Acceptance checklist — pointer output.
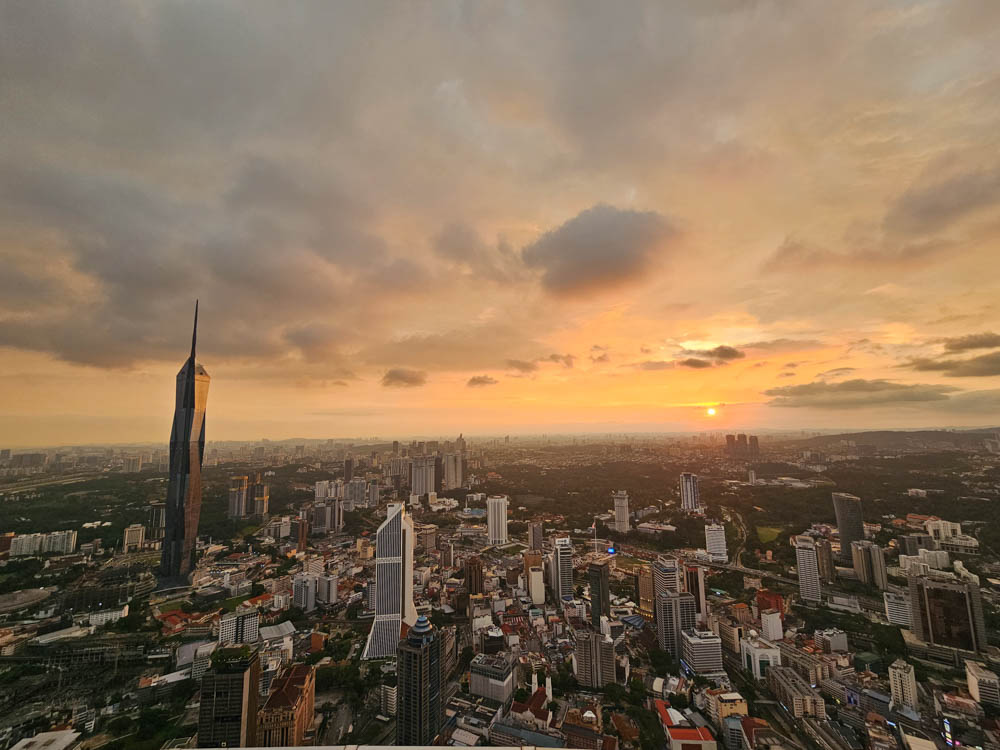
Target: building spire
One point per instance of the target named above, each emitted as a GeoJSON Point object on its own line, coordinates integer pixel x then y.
{"type": "Point", "coordinates": [194, 334]}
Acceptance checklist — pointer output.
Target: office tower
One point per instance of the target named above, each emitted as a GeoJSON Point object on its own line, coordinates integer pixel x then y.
{"type": "Point", "coordinates": [675, 613]}
{"type": "Point", "coordinates": [742, 446]}
{"type": "Point", "coordinates": [348, 469]}
{"type": "Point", "coordinates": [701, 651]}
{"type": "Point", "coordinates": [337, 516]}
{"type": "Point", "coordinates": [238, 496]}
{"type": "Point", "coordinates": [645, 592]}
{"type": "Point", "coordinates": [752, 477]}
{"type": "Point", "coordinates": [869, 564]}
{"type": "Point", "coordinates": [228, 713]}
{"type": "Point", "coordinates": [824, 559]}
{"type": "Point", "coordinates": [452, 471]}
{"type": "Point", "coordinates": [594, 659]}
{"type": "Point", "coordinates": [947, 612]}
{"type": "Point", "coordinates": [983, 684]}
{"type": "Point", "coordinates": [536, 585]}
{"type": "Point", "coordinates": [600, 591]}
{"type": "Point", "coordinates": [808, 569]}
{"type": "Point", "coordinates": [237, 628]}
{"type": "Point", "coordinates": [492, 676]}
{"type": "Point", "coordinates": [422, 480]}
{"type": "Point", "coordinates": [694, 584]}
{"type": "Point", "coordinates": [326, 589]}
{"type": "Point", "coordinates": [187, 449]}
{"type": "Point", "coordinates": [771, 626]}
{"type": "Point", "coordinates": [393, 582]}
{"type": "Point", "coordinates": [258, 497]}
{"type": "Point", "coordinates": [133, 537]}
{"type": "Point", "coordinates": [690, 496]}
{"type": "Point", "coordinates": [897, 608]}
{"type": "Point", "coordinates": [621, 511]}
{"type": "Point", "coordinates": [911, 544]}
{"type": "Point", "coordinates": [850, 524]}
{"type": "Point", "coordinates": [496, 518]}
{"type": "Point", "coordinates": [903, 685]}
{"type": "Point", "coordinates": [474, 576]}
{"type": "Point", "coordinates": [715, 542]}
{"type": "Point", "coordinates": [304, 592]}
{"type": "Point", "coordinates": [301, 535]}
{"type": "Point", "coordinates": [667, 575]}
{"type": "Point", "coordinates": [535, 531]}
{"type": "Point", "coordinates": [287, 714]}
{"type": "Point", "coordinates": [562, 569]}
{"type": "Point", "coordinates": [754, 448]}
{"type": "Point", "coordinates": [731, 446]}
{"type": "Point", "coordinates": [374, 493]}
{"type": "Point", "coordinates": [419, 708]}
{"type": "Point", "coordinates": [157, 520]}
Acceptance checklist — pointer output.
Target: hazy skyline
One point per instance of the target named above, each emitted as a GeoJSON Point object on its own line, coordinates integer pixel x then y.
{"type": "Point", "coordinates": [427, 218]}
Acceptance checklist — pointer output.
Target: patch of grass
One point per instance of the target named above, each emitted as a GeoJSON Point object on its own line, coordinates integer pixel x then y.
{"type": "Point", "coordinates": [767, 534]}
{"type": "Point", "coordinates": [230, 605]}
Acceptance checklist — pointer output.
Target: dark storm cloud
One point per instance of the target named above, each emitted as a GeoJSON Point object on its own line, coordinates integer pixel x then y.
{"type": "Point", "coordinates": [478, 381]}
{"type": "Point", "coordinates": [935, 204]}
{"type": "Point", "coordinates": [400, 377]}
{"type": "Point", "coordinates": [987, 340]}
{"type": "Point", "coordinates": [694, 362]}
{"type": "Point", "coordinates": [855, 394]}
{"type": "Point", "coordinates": [984, 365]}
{"type": "Point", "coordinates": [600, 248]}
{"type": "Point", "coordinates": [721, 353]}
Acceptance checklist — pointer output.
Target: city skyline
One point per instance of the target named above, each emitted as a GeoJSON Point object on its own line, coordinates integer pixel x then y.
{"type": "Point", "coordinates": [438, 231]}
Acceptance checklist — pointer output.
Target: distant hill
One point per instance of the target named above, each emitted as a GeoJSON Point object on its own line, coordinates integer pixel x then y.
{"type": "Point", "coordinates": [893, 439]}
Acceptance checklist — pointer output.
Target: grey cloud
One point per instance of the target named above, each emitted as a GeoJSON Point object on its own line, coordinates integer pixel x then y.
{"type": "Point", "coordinates": [522, 365]}
{"type": "Point", "coordinates": [600, 358]}
{"type": "Point", "coordinates": [790, 365]}
{"type": "Point", "coordinates": [935, 204]}
{"type": "Point", "coordinates": [855, 394]}
{"type": "Point", "coordinates": [478, 381]}
{"type": "Point", "coordinates": [656, 365]}
{"type": "Point", "coordinates": [778, 345]}
{"type": "Point", "coordinates": [837, 372]}
{"type": "Point", "coordinates": [721, 353]}
{"type": "Point", "coordinates": [987, 340]}
{"type": "Point", "coordinates": [694, 362]}
{"type": "Point", "coordinates": [794, 256]}
{"type": "Point", "coordinates": [460, 244]}
{"type": "Point", "coordinates": [984, 365]}
{"type": "Point", "coordinates": [566, 360]}
{"type": "Point", "coordinates": [786, 375]}
{"type": "Point", "coordinates": [600, 248]}
{"type": "Point", "coordinates": [400, 377]}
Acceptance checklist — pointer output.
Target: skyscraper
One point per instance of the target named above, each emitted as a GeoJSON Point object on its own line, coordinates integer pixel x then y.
{"type": "Point", "coordinates": [645, 592]}
{"type": "Point", "coordinates": [621, 511]}
{"type": "Point", "coordinates": [903, 685]}
{"type": "Point", "coordinates": [808, 569]}
{"type": "Point", "coordinates": [675, 613]}
{"type": "Point", "coordinates": [496, 518]}
{"type": "Point", "coordinates": [452, 471]}
{"type": "Point", "coordinates": [666, 575]}
{"type": "Point", "coordinates": [824, 558]}
{"type": "Point", "coordinates": [562, 569]}
{"type": "Point", "coordinates": [690, 496]}
{"type": "Point", "coordinates": [594, 659]}
{"type": "Point", "coordinates": [694, 583]}
{"type": "Point", "coordinates": [869, 564]}
{"type": "Point", "coordinates": [600, 591]}
{"type": "Point", "coordinates": [187, 449]}
{"type": "Point", "coordinates": [947, 612]}
{"type": "Point", "coordinates": [419, 709]}
{"type": "Point", "coordinates": [715, 542]}
{"type": "Point", "coordinates": [393, 583]}
{"type": "Point", "coordinates": [238, 496]}
{"type": "Point", "coordinates": [423, 477]}
{"type": "Point", "coordinates": [535, 535]}
{"type": "Point", "coordinates": [850, 524]}
{"type": "Point", "coordinates": [474, 575]}
{"type": "Point", "coordinates": [228, 713]}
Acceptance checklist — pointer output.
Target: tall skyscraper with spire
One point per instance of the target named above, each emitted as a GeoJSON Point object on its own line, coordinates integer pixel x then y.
{"type": "Point", "coordinates": [187, 449]}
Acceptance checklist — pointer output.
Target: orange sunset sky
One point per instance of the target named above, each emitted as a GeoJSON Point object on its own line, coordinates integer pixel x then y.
{"type": "Point", "coordinates": [425, 218]}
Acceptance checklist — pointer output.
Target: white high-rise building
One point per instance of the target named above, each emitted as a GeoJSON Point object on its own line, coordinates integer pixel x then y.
{"type": "Point", "coordinates": [424, 471]}
{"type": "Point", "coordinates": [239, 627]}
{"type": "Point", "coordinates": [393, 583]}
{"type": "Point", "coordinates": [133, 537]}
{"type": "Point", "coordinates": [897, 608]}
{"type": "Point", "coordinates": [496, 518]}
{"type": "Point", "coordinates": [903, 685]}
{"type": "Point", "coordinates": [667, 575]}
{"type": "Point", "coordinates": [771, 626]}
{"type": "Point", "coordinates": [452, 471]}
{"type": "Point", "coordinates": [690, 497]}
{"type": "Point", "coordinates": [304, 592]}
{"type": "Point", "coordinates": [536, 585]}
{"type": "Point", "coordinates": [984, 686]}
{"type": "Point", "coordinates": [621, 511]}
{"type": "Point", "coordinates": [701, 651]}
{"type": "Point", "coordinates": [326, 589]}
{"type": "Point", "coordinates": [808, 569]}
{"type": "Point", "coordinates": [715, 542]}
{"type": "Point", "coordinates": [562, 568]}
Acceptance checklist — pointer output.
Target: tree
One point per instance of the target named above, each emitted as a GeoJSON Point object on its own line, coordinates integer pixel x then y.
{"type": "Point", "coordinates": [679, 701]}
{"type": "Point", "coordinates": [615, 693]}
{"type": "Point", "coordinates": [521, 695]}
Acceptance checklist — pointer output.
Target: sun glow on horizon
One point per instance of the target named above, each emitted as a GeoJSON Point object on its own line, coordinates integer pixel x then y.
{"type": "Point", "coordinates": [710, 411]}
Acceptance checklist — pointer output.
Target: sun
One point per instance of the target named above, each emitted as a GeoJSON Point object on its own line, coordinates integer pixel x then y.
{"type": "Point", "coordinates": [710, 411]}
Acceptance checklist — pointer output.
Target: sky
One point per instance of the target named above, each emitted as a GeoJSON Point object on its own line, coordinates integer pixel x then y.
{"type": "Point", "coordinates": [420, 218]}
